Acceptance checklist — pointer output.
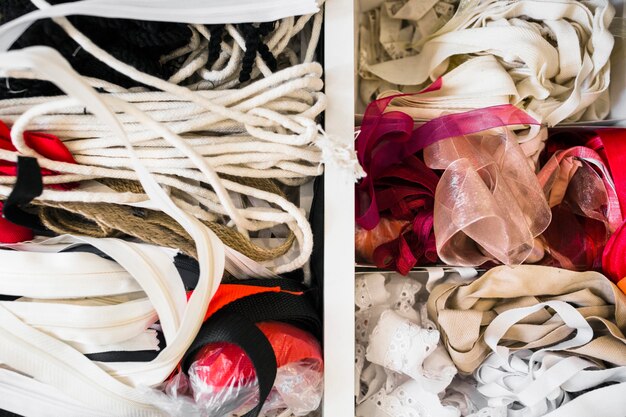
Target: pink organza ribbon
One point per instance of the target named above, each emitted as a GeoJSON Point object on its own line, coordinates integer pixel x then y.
{"type": "Point", "coordinates": [489, 205]}
{"type": "Point", "coordinates": [585, 208]}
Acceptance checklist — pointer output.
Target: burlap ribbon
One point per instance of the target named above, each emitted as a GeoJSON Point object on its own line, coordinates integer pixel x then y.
{"type": "Point", "coordinates": [113, 220]}
{"type": "Point", "coordinates": [463, 311]}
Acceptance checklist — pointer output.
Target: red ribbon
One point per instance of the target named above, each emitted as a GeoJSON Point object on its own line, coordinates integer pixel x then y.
{"type": "Point", "coordinates": [614, 256]}
{"type": "Point", "coordinates": [44, 144]}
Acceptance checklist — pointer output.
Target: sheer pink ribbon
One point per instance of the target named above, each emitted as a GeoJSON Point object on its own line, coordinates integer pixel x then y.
{"type": "Point", "coordinates": [585, 207]}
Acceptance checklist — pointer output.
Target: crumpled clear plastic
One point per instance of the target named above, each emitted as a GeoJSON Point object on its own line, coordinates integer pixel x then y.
{"type": "Point", "coordinates": [222, 380]}
{"type": "Point", "coordinates": [489, 205]}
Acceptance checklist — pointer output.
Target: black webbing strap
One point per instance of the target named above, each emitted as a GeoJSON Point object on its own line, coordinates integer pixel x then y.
{"type": "Point", "coordinates": [289, 308]}
{"type": "Point", "coordinates": [284, 307]}
{"type": "Point", "coordinates": [129, 356]}
{"type": "Point", "coordinates": [238, 330]}
{"type": "Point", "coordinates": [28, 186]}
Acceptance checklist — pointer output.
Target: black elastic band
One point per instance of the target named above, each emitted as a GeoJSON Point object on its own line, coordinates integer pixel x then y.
{"type": "Point", "coordinates": [238, 330]}
{"type": "Point", "coordinates": [28, 186]}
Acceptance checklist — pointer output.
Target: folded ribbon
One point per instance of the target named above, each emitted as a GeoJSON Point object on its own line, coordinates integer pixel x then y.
{"type": "Point", "coordinates": [584, 203]}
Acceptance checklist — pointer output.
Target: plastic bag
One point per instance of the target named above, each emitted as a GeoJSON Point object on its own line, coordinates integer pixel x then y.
{"type": "Point", "coordinates": [222, 381]}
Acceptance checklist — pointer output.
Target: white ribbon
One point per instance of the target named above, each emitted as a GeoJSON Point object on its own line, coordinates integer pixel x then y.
{"type": "Point", "coordinates": [565, 82]}
{"type": "Point", "coordinates": [541, 382]}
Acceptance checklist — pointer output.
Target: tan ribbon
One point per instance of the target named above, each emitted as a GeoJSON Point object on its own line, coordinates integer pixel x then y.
{"type": "Point", "coordinates": [463, 311]}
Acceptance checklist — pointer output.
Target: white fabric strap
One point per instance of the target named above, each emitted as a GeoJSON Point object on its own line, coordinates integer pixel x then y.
{"type": "Point", "coordinates": [189, 11]}
{"type": "Point", "coordinates": [541, 381]}
{"type": "Point", "coordinates": [476, 83]}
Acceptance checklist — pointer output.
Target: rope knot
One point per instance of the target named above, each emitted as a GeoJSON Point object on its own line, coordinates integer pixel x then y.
{"type": "Point", "coordinates": [341, 154]}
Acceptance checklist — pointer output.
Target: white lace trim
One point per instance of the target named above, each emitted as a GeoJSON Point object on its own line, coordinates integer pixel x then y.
{"type": "Point", "coordinates": [399, 368]}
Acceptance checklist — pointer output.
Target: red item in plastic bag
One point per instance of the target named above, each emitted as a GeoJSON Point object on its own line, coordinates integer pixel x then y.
{"type": "Point", "coordinates": [216, 361]}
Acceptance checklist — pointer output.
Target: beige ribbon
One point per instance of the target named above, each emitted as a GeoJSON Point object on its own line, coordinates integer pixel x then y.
{"type": "Point", "coordinates": [463, 311]}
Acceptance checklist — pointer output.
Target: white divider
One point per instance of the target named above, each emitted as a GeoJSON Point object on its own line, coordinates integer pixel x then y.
{"type": "Point", "coordinates": [339, 214]}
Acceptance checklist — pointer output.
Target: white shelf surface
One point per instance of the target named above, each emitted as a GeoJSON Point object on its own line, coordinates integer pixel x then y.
{"type": "Point", "coordinates": [339, 214]}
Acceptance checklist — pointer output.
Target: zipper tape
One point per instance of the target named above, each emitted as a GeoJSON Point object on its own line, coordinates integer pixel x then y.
{"type": "Point", "coordinates": [147, 340]}
{"type": "Point", "coordinates": [22, 275]}
{"type": "Point", "coordinates": [96, 325]}
{"type": "Point", "coordinates": [26, 397]}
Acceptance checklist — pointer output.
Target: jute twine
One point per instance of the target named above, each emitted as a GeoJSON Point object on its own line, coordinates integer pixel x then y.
{"type": "Point", "coordinates": [113, 220]}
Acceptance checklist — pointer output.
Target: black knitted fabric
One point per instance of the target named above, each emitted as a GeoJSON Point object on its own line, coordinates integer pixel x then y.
{"type": "Point", "coordinates": [253, 36]}
{"type": "Point", "coordinates": [215, 43]}
{"type": "Point", "coordinates": [137, 43]}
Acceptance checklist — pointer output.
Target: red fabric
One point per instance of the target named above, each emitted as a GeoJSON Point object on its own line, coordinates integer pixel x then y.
{"type": "Point", "coordinates": [589, 211]}
{"type": "Point", "coordinates": [614, 255]}
{"type": "Point", "coordinates": [13, 233]}
{"type": "Point", "coordinates": [614, 142]}
{"type": "Point", "coordinates": [366, 241]}
{"type": "Point", "coordinates": [46, 145]}
{"type": "Point", "coordinates": [227, 365]}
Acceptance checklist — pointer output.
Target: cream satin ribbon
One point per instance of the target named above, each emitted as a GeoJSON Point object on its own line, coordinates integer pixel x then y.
{"type": "Point", "coordinates": [478, 82]}
{"type": "Point", "coordinates": [565, 82]}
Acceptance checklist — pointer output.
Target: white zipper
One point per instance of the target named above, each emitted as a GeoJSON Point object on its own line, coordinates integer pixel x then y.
{"type": "Point", "coordinates": [187, 11]}
{"type": "Point", "coordinates": [52, 362]}
{"type": "Point", "coordinates": [146, 340]}
{"type": "Point", "coordinates": [25, 396]}
{"type": "Point", "coordinates": [96, 325]}
{"type": "Point", "coordinates": [51, 275]}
